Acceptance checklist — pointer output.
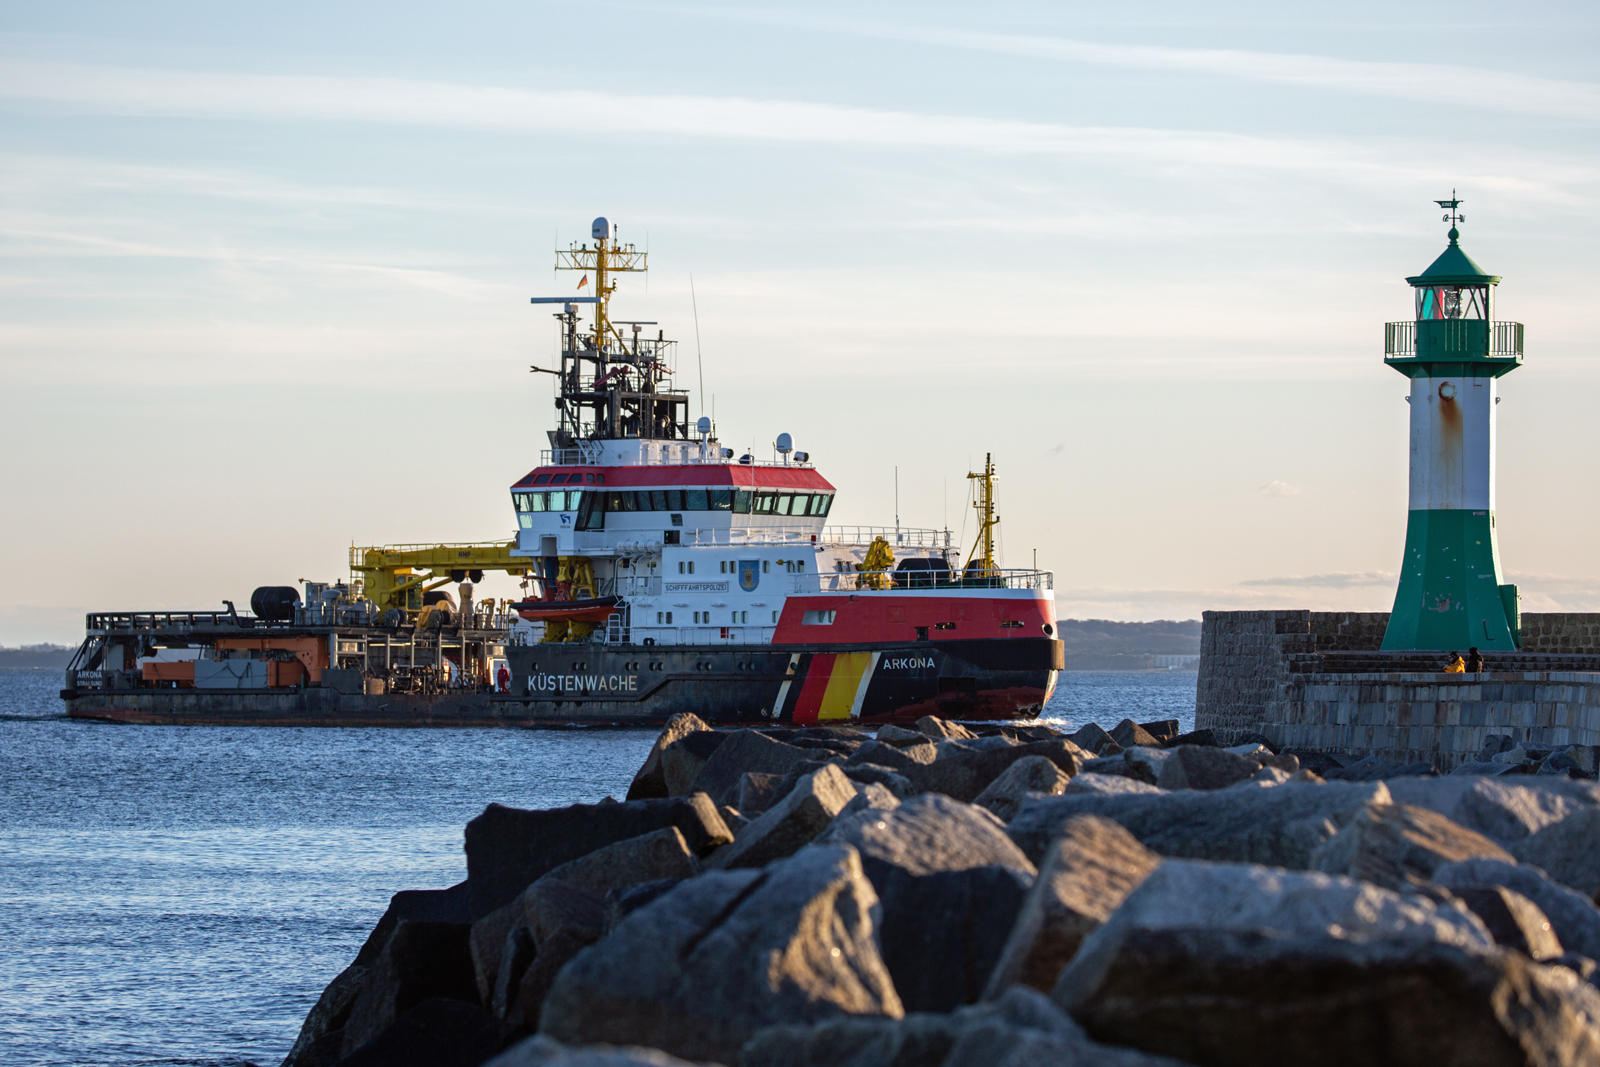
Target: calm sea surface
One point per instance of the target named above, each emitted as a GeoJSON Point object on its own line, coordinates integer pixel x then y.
{"type": "Point", "coordinates": [180, 895]}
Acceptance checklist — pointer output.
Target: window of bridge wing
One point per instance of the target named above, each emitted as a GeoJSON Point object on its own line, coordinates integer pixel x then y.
{"type": "Point", "coordinates": [591, 509]}
{"type": "Point", "coordinates": [820, 503]}
{"type": "Point", "coordinates": [765, 503]}
{"type": "Point", "coordinates": [695, 500]}
{"type": "Point", "coordinates": [743, 499]}
{"type": "Point", "coordinates": [721, 499]}
{"type": "Point", "coordinates": [1452, 302]}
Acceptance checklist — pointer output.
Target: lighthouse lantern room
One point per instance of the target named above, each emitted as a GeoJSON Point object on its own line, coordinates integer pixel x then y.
{"type": "Point", "coordinates": [1451, 595]}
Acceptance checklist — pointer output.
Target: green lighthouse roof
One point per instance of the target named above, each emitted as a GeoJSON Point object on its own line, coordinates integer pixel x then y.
{"type": "Point", "coordinates": [1454, 267]}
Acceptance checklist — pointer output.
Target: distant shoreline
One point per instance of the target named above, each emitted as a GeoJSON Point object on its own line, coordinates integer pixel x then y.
{"type": "Point", "coordinates": [44, 657]}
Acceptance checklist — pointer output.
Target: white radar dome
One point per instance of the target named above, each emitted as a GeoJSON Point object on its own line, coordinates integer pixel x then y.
{"type": "Point", "coordinates": [602, 229]}
{"type": "Point", "coordinates": [785, 443]}
{"type": "Point", "coordinates": [703, 426]}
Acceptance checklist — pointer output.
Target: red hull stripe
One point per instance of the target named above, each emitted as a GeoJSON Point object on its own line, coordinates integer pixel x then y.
{"type": "Point", "coordinates": [696, 475]}
{"type": "Point", "coordinates": [809, 703]}
{"type": "Point", "coordinates": [883, 617]}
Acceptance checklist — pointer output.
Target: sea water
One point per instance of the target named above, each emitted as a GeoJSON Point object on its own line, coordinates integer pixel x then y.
{"type": "Point", "coordinates": [180, 895]}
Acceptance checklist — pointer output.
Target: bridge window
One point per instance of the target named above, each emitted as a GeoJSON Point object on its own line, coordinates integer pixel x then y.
{"type": "Point", "coordinates": [742, 500]}
{"type": "Point", "coordinates": [820, 503]}
{"type": "Point", "coordinates": [764, 503]}
{"type": "Point", "coordinates": [802, 504]}
{"type": "Point", "coordinates": [555, 479]}
{"type": "Point", "coordinates": [591, 509]}
{"type": "Point", "coordinates": [694, 500]}
{"type": "Point", "coordinates": [783, 502]}
{"type": "Point", "coordinates": [722, 500]}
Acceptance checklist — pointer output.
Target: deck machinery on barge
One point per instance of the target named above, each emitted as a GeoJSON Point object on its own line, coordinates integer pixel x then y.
{"type": "Point", "coordinates": [664, 573]}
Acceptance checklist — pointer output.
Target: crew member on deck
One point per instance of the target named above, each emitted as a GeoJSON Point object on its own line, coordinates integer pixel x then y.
{"type": "Point", "coordinates": [503, 678]}
{"type": "Point", "coordinates": [1455, 666]}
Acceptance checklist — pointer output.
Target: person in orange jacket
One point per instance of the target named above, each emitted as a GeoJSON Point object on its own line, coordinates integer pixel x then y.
{"type": "Point", "coordinates": [1455, 666]}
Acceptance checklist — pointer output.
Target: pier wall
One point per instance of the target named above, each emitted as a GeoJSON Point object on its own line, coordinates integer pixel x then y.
{"type": "Point", "coordinates": [1265, 672]}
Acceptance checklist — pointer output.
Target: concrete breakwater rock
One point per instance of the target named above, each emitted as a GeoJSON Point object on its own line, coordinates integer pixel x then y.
{"type": "Point", "coordinates": [946, 897]}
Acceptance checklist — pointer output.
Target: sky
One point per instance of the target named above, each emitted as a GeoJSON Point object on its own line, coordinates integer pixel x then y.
{"type": "Point", "coordinates": [264, 276]}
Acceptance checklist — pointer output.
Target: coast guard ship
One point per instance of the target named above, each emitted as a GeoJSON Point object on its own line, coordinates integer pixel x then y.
{"type": "Point", "coordinates": [671, 574]}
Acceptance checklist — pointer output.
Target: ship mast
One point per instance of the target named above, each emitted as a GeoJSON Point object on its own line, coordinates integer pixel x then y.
{"type": "Point", "coordinates": [607, 257]}
{"type": "Point", "coordinates": [611, 386]}
{"type": "Point", "coordinates": [982, 558]}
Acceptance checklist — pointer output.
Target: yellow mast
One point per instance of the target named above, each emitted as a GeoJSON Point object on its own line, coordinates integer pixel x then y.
{"type": "Point", "coordinates": [607, 257]}
{"type": "Point", "coordinates": [983, 550]}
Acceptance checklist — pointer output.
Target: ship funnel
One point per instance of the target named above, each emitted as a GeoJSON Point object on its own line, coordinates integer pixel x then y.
{"type": "Point", "coordinates": [785, 443]}
{"type": "Point", "coordinates": [602, 229]}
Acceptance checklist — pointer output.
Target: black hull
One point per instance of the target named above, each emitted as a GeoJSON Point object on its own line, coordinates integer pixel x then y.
{"type": "Point", "coordinates": [641, 685]}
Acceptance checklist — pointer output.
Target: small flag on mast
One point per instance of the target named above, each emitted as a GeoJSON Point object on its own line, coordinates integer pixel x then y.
{"type": "Point", "coordinates": [583, 281]}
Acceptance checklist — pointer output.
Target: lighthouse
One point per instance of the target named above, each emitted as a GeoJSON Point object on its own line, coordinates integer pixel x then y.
{"type": "Point", "coordinates": [1451, 595]}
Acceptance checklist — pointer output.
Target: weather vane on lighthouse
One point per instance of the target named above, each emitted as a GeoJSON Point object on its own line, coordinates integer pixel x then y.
{"type": "Point", "coordinates": [1452, 214]}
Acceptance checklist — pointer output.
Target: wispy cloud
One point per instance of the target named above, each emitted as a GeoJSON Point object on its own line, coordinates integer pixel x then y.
{"type": "Point", "coordinates": [1333, 580]}
{"type": "Point", "coordinates": [130, 91]}
{"type": "Point", "coordinates": [1131, 604]}
{"type": "Point", "coordinates": [1576, 101]}
{"type": "Point", "coordinates": [1277, 488]}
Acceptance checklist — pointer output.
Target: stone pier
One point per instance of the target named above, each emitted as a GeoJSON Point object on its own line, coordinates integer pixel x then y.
{"type": "Point", "coordinates": [1318, 680]}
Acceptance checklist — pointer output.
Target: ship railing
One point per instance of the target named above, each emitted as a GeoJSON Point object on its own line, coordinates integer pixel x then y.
{"type": "Point", "coordinates": [896, 536]}
{"type": "Point", "coordinates": [110, 621]}
{"type": "Point", "coordinates": [626, 585]}
{"type": "Point", "coordinates": [615, 631]}
{"type": "Point", "coordinates": [882, 581]}
{"type": "Point", "coordinates": [749, 535]}
{"type": "Point", "coordinates": [855, 536]}
{"type": "Point", "coordinates": [668, 453]}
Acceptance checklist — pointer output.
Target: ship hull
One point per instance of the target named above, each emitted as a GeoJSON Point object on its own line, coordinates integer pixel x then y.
{"type": "Point", "coordinates": [643, 685]}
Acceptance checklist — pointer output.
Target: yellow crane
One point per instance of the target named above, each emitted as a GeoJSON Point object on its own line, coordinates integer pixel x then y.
{"type": "Point", "coordinates": [396, 576]}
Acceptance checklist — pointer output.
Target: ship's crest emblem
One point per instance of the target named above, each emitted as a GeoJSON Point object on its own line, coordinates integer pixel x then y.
{"type": "Point", "coordinates": [749, 574]}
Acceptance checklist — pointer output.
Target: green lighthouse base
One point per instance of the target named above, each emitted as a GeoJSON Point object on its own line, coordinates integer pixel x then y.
{"type": "Point", "coordinates": [1450, 596]}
